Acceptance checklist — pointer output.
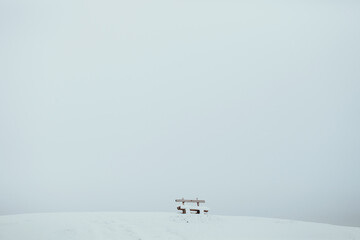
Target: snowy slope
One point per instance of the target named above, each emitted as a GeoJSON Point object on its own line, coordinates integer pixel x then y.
{"type": "Point", "coordinates": [162, 226]}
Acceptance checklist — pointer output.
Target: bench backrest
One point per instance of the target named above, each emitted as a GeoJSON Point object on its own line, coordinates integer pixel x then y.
{"type": "Point", "coordinates": [192, 201]}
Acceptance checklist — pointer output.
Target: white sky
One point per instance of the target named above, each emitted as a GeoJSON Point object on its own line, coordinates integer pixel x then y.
{"type": "Point", "coordinates": [253, 106]}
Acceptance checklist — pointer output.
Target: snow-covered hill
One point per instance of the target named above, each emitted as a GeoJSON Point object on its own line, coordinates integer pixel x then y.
{"type": "Point", "coordinates": [162, 226]}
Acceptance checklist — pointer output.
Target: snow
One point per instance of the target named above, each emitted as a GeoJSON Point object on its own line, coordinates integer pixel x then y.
{"type": "Point", "coordinates": [161, 226]}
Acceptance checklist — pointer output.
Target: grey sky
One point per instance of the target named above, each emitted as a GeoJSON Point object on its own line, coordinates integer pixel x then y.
{"type": "Point", "coordinates": [127, 105]}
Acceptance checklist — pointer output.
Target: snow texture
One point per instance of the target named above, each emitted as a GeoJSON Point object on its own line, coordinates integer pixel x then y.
{"type": "Point", "coordinates": [162, 226]}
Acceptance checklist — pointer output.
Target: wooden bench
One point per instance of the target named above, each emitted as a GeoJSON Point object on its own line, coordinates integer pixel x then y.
{"type": "Point", "coordinates": [187, 209]}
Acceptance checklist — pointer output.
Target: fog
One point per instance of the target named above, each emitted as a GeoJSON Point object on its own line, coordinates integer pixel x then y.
{"type": "Point", "coordinates": [253, 106]}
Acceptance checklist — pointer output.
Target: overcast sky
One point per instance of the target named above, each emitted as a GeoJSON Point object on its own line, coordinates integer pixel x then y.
{"type": "Point", "coordinates": [253, 106]}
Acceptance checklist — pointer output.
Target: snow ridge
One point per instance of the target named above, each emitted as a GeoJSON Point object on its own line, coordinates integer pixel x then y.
{"type": "Point", "coordinates": [163, 226]}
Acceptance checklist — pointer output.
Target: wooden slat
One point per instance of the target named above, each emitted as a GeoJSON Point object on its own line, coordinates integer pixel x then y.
{"type": "Point", "coordinates": [185, 200]}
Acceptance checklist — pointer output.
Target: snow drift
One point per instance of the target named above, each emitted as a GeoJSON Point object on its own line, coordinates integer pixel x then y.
{"type": "Point", "coordinates": [162, 226]}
